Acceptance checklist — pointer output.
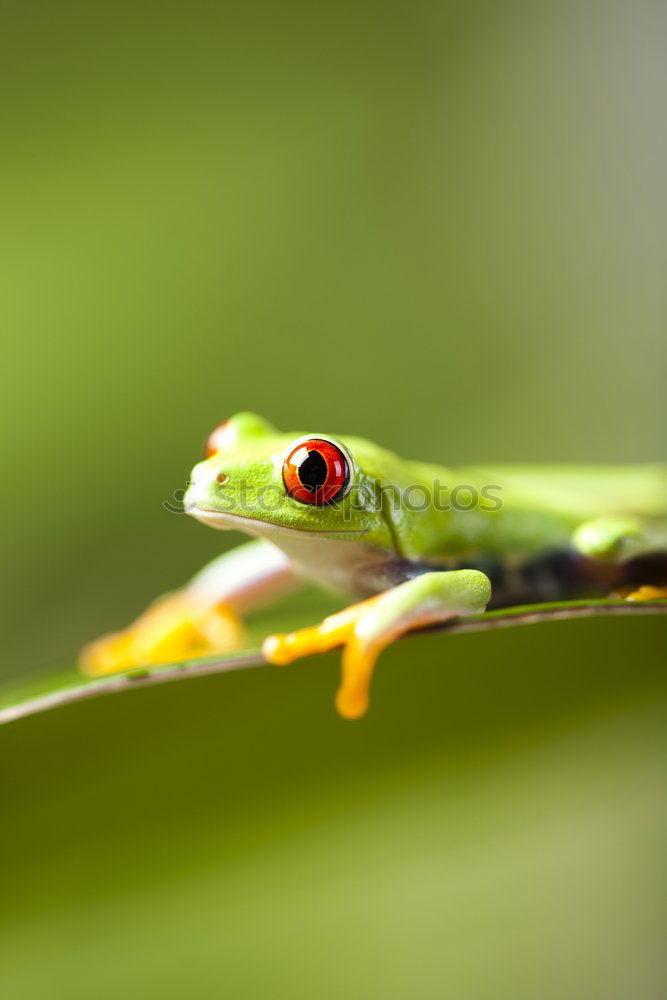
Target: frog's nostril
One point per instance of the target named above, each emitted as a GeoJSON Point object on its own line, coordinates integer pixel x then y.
{"type": "Point", "coordinates": [222, 478]}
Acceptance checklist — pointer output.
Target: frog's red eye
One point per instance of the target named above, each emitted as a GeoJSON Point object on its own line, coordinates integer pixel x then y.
{"type": "Point", "coordinates": [316, 472]}
{"type": "Point", "coordinates": [216, 439]}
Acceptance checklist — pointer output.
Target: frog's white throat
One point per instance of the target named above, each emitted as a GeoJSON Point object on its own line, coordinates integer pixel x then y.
{"type": "Point", "coordinates": [340, 559]}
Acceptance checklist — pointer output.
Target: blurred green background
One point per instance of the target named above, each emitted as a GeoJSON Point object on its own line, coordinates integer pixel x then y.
{"type": "Point", "coordinates": [442, 226]}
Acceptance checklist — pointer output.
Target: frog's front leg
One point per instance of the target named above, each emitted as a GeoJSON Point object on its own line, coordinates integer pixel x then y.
{"type": "Point", "coordinates": [365, 629]}
{"type": "Point", "coordinates": [202, 618]}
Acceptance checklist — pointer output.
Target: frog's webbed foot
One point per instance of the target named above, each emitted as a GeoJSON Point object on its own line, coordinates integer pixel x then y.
{"type": "Point", "coordinates": [176, 627]}
{"type": "Point", "coordinates": [646, 593]}
{"type": "Point", "coordinates": [365, 629]}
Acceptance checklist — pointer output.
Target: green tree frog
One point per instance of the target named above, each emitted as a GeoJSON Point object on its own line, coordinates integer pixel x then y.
{"type": "Point", "coordinates": [415, 544]}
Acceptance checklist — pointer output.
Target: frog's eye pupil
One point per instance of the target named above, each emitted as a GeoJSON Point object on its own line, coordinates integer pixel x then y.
{"type": "Point", "coordinates": [313, 471]}
{"type": "Point", "coordinates": [316, 472]}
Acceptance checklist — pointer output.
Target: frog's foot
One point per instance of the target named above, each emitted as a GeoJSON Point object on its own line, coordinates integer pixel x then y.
{"type": "Point", "coordinates": [365, 629]}
{"type": "Point", "coordinates": [647, 593]}
{"type": "Point", "coordinates": [176, 627]}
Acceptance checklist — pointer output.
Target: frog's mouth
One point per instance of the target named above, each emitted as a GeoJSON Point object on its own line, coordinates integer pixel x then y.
{"type": "Point", "coordinates": [224, 521]}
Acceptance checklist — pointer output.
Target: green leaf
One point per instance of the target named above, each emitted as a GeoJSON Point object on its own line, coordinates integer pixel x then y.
{"type": "Point", "coordinates": [61, 687]}
{"type": "Point", "coordinates": [493, 827]}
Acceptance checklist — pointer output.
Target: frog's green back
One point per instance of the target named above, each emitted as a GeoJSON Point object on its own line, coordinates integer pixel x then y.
{"type": "Point", "coordinates": [578, 491]}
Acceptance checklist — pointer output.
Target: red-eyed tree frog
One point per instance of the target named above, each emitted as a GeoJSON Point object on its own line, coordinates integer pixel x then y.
{"type": "Point", "coordinates": [415, 544]}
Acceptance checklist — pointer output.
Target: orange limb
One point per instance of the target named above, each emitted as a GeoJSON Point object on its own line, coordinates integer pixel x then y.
{"type": "Point", "coordinates": [176, 627]}
{"type": "Point", "coordinates": [647, 593]}
{"type": "Point", "coordinates": [339, 629]}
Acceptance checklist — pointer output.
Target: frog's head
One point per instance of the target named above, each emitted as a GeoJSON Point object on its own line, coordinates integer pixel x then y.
{"type": "Point", "coordinates": [257, 480]}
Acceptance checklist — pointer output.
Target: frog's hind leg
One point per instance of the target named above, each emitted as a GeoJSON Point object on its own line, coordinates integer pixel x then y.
{"type": "Point", "coordinates": [616, 540]}
{"type": "Point", "coordinates": [637, 550]}
{"type": "Point", "coordinates": [365, 629]}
